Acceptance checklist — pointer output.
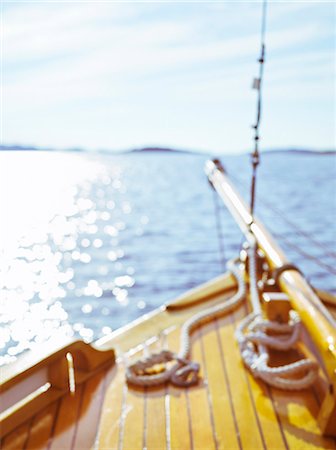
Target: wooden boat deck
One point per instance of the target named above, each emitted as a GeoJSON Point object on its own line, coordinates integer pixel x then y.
{"type": "Point", "coordinates": [228, 409]}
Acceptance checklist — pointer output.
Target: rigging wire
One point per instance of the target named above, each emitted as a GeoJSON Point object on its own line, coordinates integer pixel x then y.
{"type": "Point", "coordinates": [299, 231]}
{"type": "Point", "coordinates": [303, 253]}
{"type": "Point", "coordinates": [257, 84]}
{"type": "Point", "coordinates": [255, 158]}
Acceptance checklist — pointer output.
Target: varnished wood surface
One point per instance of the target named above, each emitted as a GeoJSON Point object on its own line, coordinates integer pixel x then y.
{"type": "Point", "coordinates": [69, 423]}
{"type": "Point", "coordinates": [228, 409]}
{"type": "Point", "coordinates": [313, 313]}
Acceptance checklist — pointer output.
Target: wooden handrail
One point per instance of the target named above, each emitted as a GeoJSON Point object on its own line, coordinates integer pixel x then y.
{"type": "Point", "coordinates": [35, 381]}
{"type": "Point", "coordinates": [314, 315]}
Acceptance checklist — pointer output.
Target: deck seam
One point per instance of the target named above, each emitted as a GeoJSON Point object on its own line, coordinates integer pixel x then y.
{"type": "Point", "coordinates": [206, 382]}
{"type": "Point", "coordinates": [145, 416]}
{"type": "Point", "coordinates": [278, 418]}
{"type": "Point", "coordinates": [167, 417]}
{"type": "Point", "coordinates": [31, 421]}
{"type": "Point", "coordinates": [223, 364]}
{"type": "Point", "coordinates": [189, 419]}
{"type": "Point", "coordinates": [256, 415]}
{"type": "Point", "coordinates": [122, 417]}
{"type": "Point", "coordinates": [96, 442]}
{"type": "Point", "coordinates": [53, 428]}
{"type": "Point", "coordinates": [74, 436]}
{"type": "Point", "coordinates": [8, 435]}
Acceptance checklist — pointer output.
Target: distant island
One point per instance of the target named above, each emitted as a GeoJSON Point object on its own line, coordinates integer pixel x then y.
{"type": "Point", "coordinates": [160, 150]}
{"type": "Point", "coordinates": [300, 151]}
{"type": "Point", "coordinates": [19, 147]}
{"type": "Point", "coordinates": [79, 149]}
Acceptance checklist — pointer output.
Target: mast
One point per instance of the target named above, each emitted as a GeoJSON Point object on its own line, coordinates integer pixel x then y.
{"type": "Point", "coordinates": [257, 84]}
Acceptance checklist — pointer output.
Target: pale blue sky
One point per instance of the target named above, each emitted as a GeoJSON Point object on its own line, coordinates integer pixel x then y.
{"type": "Point", "coordinates": [133, 74]}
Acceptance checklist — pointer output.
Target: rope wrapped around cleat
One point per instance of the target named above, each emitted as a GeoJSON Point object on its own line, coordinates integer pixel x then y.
{"type": "Point", "coordinates": [253, 342]}
{"type": "Point", "coordinates": [252, 338]}
{"type": "Point", "coordinates": [184, 372]}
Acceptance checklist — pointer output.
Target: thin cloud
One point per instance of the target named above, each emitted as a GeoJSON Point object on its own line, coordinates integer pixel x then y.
{"type": "Point", "coordinates": [108, 65]}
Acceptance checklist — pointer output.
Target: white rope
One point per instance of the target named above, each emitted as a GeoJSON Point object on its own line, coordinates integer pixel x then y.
{"type": "Point", "coordinates": [254, 342]}
{"type": "Point", "coordinates": [184, 372]}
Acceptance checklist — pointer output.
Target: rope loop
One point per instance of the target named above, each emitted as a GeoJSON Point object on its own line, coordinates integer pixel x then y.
{"type": "Point", "coordinates": [253, 341]}
{"type": "Point", "coordinates": [186, 376]}
{"type": "Point", "coordinates": [252, 338]}
{"type": "Point", "coordinates": [184, 373]}
{"type": "Point", "coordinates": [144, 373]}
{"type": "Point", "coordinates": [251, 345]}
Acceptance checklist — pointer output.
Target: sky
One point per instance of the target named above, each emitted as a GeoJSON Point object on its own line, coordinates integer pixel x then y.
{"type": "Point", "coordinates": [124, 75]}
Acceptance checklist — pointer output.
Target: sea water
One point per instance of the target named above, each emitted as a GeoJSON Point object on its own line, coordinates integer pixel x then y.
{"type": "Point", "coordinates": [89, 242]}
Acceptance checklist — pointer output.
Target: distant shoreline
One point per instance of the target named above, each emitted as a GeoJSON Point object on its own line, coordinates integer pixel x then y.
{"type": "Point", "coordinates": [300, 151]}
{"type": "Point", "coordinates": [161, 150]}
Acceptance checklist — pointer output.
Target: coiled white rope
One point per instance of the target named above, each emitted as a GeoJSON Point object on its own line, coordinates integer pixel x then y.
{"type": "Point", "coordinates": [184, 372]}
{"type": "Point", "coordinates": [252, 340]}
{"type": "Point", "coordinates": [253, 343]}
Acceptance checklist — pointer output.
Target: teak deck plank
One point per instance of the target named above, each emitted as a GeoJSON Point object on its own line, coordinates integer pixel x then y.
{"type": "Point", "coordinates": [179, 421]}
{"type": "Point", "coordinates": [113, 407]}
{"type": "Point", "coordinates": [200, 413]}
{"type": "Point", "coordinates": [272, 434]}
{"type": "Point", "coordinates": [134, 420]}
{"type": "Point", "coordinates": [156, 420]}
{"type": "Point", "coordinates": [243, 407]}
{"type": "Point", "coordinates": [228, 409]}
{"type": "Point", "coordinates": [223, 416]}
{"type": "Point", "coordinates": [297, 416]}
{"type": "Point", "coordinates": [270, 428]}
{"type": "Point", "coordinates": [155, 426]}
{"type": "Point", "coordinates": [90, 412]}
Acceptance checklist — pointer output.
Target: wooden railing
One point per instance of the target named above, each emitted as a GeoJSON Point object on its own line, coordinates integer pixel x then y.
{"type": "Point", "coordinates": [37, 380]}
{"type": "Point", "coordinates": [314, 315]}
